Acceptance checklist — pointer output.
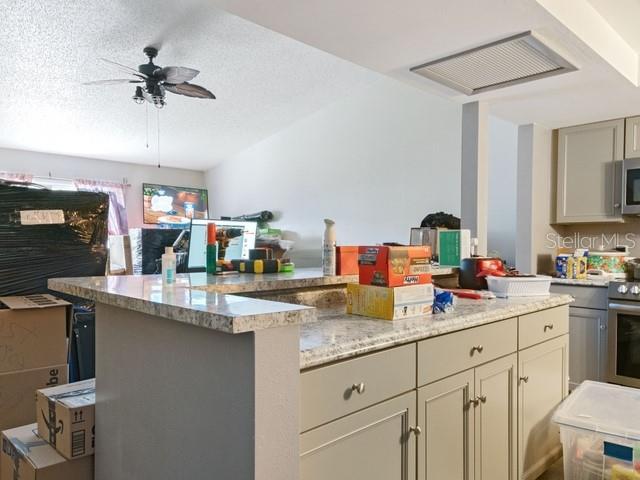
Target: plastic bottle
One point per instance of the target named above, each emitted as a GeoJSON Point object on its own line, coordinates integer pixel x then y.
{"type": "Point", "coordinates": [212, 249]}
{"type": "Point", "coordinates": [329, 248]}
{"type": "Point", "coordinates": [168, 266]}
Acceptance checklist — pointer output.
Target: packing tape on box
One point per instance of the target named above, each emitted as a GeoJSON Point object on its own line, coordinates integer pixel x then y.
{"type": "Point", "coordinates": [51, 420]}
{"type": "Point", "coordinates": [17, 450]}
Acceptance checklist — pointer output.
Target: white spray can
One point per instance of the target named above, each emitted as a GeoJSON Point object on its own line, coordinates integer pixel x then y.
{"type": "Point", "coordinates": [329, 248]}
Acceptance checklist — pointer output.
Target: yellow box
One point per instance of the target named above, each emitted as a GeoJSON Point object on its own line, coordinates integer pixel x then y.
{"type": "Point", "coordinates": [389, 303]}
{"type": "Point", "coordinates": [577, 267]}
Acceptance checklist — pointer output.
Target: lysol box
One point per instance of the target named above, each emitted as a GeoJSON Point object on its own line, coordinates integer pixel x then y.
{"type": "Point", "coordinates": [389, 303]}
{"type": "Point", "coordinates": [66, 417]}
{"type": "Point", "coordinates": [394, 266]}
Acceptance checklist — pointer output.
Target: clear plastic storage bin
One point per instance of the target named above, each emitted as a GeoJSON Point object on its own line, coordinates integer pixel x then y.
{"type": "Point", "coordinates": [600, 432]}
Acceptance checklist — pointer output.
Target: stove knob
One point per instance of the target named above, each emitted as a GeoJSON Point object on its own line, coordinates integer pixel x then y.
{"type": "Point", "coordinates": [635, 290]}
{"type": "Point", "coordinates": [623, 289]}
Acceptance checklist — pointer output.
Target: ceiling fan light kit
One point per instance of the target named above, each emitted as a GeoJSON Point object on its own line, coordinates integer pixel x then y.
{"type": "Point", "coordinates": [156, 81]}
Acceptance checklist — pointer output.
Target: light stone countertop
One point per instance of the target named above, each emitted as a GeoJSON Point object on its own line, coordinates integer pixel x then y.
{"type": "Point", "coordinates": [583, 282]}
{"type": "Point", "coordinates": [336, 335]}
{"type": "Point", "coordinates": [215, 311]}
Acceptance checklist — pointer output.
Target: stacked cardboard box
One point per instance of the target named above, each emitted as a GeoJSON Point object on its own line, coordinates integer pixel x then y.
{"type": "Point", "coordinates": [395, 282]}
{"type": "Point", "coordinates": [60, 445]}
{"type": "Point", "coordinates": [33, 353]}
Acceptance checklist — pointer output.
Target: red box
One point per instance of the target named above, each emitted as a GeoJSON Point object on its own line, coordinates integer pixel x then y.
{"type": "Point", "coordinates": [394, 266]}
{"type": "Point", "coordinates": [346, 260]}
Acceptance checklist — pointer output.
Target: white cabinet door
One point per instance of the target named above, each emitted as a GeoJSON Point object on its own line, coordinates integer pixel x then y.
{"type": "Point", "coordinates": [543, 384]}
{"type": "Point", "coordinates": [632, 137]}
{"type": "Point", "coordinates": [373, 444]}
{"type": "Point", "coordinates": [589, 172]}
{"type": "Point", "coordinates": [496, 422]}
{"type": "Point", "coordinates": [445, 447]}
{"type": "Point", "coordinates": [587, 345]}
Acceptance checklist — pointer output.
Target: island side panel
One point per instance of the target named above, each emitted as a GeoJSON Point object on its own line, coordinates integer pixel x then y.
{"type": "Point", "coordinates": [172, 400]}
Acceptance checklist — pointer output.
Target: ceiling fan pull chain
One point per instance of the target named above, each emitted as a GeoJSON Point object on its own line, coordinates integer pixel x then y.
{"type": "Point", "coordinates": [146, 107]}
{"type": "Point", "coordinates": [158, 123]}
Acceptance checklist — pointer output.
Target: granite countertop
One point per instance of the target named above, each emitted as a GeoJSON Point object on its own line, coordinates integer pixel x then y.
{"type": "Point", "coordinates": [215, 311]}
{"type": "Point", "coordinates": [583, 282]}
{"type": "Point", "coordinates": [337, 336]}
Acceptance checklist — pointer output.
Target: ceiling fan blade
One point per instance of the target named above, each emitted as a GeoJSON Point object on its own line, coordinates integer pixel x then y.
{"type": "Point", "coordinates": [176, 75]}
{"type": "Point", "coordinates": [189, 90]}
{"type": "Point", "coordinates": [114, 81]}
{"type": "Point", "coordinates": [125, 68]}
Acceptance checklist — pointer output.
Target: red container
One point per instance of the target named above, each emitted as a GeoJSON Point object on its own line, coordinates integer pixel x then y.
{"type": "Point", "coordinates": [394, 266]}
{"type": "Point", "coordinates": [346, 260]}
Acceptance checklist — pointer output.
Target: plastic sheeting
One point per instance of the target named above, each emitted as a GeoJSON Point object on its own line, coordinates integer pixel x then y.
{"type": "Point", "coordinates": [47, 234]}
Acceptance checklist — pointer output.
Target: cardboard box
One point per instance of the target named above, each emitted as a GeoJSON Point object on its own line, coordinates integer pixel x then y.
{"type": "Point", "coordinates": [18, 393]}
{"type": "Point", "coordinates": [66, 417]}
{"type": "Point", "coordinates": [453, 246]}
{"type": "Point", "coordinates": [33, 332]}
{"type": "Point", "coordinates": [25, 456]}
{"type": "Point", "coordinates": [394, 266]}
{"type": "Point", "coordinates": [346, 260]}
{"type": "Point", "coordinates": [389, 303]}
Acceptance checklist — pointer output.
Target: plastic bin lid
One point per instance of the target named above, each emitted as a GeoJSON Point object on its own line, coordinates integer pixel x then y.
{"type": "Point", "coordinates": [602, 408]}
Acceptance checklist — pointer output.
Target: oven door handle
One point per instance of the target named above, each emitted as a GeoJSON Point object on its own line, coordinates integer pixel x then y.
{"type": "Point", "coordinates": [625, 308]}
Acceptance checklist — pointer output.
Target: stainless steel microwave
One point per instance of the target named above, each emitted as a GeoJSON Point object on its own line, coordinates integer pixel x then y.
{"type": "Point", "coordinates": [631, 186]}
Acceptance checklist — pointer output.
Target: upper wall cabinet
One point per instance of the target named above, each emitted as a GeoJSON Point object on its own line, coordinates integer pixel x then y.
{"type": "Point", "coordinates": [632, 138]}
{"type": "Point", "coordinates": [589, 172]}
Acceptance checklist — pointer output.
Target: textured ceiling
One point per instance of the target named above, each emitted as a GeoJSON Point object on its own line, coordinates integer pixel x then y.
{"type": "Point", "coordinates": [392, 36]}
{"type": "Point", "coordinates": [264, 81]}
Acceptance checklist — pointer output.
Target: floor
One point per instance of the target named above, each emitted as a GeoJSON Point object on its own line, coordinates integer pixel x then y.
{"type": "Point", "coordinates": [554, 473]}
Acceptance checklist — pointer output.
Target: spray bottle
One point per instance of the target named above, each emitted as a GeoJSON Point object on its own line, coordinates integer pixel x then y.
{"type": "Point", "coordinates": [329, 248]}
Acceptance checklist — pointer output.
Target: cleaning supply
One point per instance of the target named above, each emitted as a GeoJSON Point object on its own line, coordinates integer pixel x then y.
{"type": "Point", "coordinates": [168, 266]}
{"type": "Point", "coordinates": [212, 249]}
{"type": "Point", "coordinates": [329, 248]}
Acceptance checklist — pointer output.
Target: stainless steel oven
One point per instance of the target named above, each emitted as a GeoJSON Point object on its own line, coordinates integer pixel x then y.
{"type": "Point", "coordinates": [631, 186]}
{"type": "Point", "coordinates": [624, 333]}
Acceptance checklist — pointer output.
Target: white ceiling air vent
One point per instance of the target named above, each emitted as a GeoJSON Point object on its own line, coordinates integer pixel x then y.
{"type": "Point", "coordinates": [516, 59]}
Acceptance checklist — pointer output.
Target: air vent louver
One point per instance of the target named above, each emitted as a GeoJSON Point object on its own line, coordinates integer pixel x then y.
{"type": "Point", "coordinates": [512, 60]}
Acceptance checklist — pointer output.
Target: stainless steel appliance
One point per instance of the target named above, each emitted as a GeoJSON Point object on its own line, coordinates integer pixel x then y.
{"type": "Point", "coordinates": [631, 186]}
{"type": "Point", "coordinates": [624, 333]}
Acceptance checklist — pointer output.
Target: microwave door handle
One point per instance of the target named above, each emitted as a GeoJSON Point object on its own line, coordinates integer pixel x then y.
{"type": "Point", "coordinates": [618, 186]}
{"type": "Point", "coordinates": [633, 309]}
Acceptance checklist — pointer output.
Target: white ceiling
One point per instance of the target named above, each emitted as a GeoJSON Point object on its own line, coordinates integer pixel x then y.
{"type": "Point", "coordinates": [623, 16]}
{"type": "Point", "coordinates": [264, 81]}
{"type": "Point", "coordinates": [392, 36]}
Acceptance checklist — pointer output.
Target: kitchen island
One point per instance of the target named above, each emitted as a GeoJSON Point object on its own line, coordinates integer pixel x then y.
{"type": "Point", "coordinates": [250, 388]}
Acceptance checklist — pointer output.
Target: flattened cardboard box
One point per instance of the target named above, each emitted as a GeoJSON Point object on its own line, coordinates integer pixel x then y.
{"type": "Point", "coordinates": [18, 393]}
{"type": "Point", "coordinates": [66, 417]}
{"type": "Point", "coordinates": [25, 456]}
{"type": "Point", "coordinates": [33, 332]}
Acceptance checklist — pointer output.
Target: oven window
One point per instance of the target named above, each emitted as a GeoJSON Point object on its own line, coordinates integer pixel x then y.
{"type": "Point", "coordinates": [628, 361]}
{"type": "Point", "coordinates": [633, 186]}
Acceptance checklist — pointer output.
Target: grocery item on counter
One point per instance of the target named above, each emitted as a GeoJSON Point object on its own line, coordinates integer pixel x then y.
{"type": "Point", "coordinates": [443, 301]}
{"type": "Point", "coordinates": [389, 303]}
{"type": "Point", "coordinates": [394, 266]}
{"type": "Point", "coordinates": [611, 263]}
{"type": "Point", "coordinates": [329, 248]}
{"type": "Point", "coordinates": [168, 267]}
{"type": "Point", "coordinates": [346, 260]}
{"type": "Point", "coordinates": [212, 248]}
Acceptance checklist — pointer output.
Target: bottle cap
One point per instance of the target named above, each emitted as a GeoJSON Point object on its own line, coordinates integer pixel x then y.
{"type": "Point", "coordinates": [211, 233]}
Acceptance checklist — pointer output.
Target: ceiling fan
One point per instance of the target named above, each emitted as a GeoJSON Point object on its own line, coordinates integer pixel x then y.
{"type": "Point", "coordinates": [157, 81]}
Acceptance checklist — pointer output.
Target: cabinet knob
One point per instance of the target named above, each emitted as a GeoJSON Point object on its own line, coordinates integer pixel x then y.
{"type": "Point", "coordinates": [477, 348]}
{"type": "Point", "coordinates": [478, 400]}
{"type": "Point", "coordinates": [549, 326]}
{"type": "Point", "coordinates": [483, 398]}
{"type": "Point", "coordinates": [525, 379]}
{"type": "Point", "coordinates": [416, 430]}
{"type": "Point", "coordinates": [358, 387]}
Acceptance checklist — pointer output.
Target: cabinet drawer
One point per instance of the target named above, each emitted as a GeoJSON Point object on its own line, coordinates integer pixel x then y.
{"type": "Point", "coordinates": [585, 297]}
{"type": "Point", "coordinates": [537, 327]}
{"type": "Point", "coordinates": [331, 392]}
{"type": "Point", "coordinates": [442, 356]}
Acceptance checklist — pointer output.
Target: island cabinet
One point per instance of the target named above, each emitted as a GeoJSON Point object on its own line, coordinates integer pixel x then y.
{"type": "Point", "coordinates": [474, 404]}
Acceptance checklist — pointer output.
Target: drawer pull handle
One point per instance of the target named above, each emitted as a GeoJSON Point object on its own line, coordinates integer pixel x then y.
{"type": "Point", "coordinates": [477, 348]}
{"type": "Point", "coordinates": [525, 379]}
{"type": "Point", "coordinates": [548, 327]}
{"type": "Point", "coordinates": [416, 430]}
{"type": "Point", "coordinates": [358, 387]}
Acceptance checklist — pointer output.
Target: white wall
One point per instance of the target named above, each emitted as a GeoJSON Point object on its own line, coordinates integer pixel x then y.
{"type": "Point", "coordinates": [377, 162]}
{"type": "Point", "coordinates": [61, 166]}
{"type": "Point", "coordinates": [503, 161]}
